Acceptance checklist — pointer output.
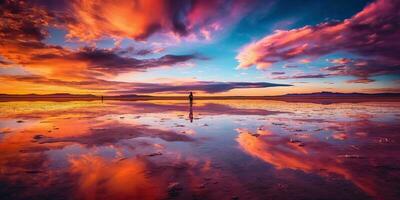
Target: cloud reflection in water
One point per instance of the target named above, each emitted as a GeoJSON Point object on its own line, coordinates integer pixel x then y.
{"type": "Point", "coordinates": [150, 150]}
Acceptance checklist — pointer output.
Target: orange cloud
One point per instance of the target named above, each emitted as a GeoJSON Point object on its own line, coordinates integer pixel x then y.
{"type": "Point", "coordinates": [93, 19]}
{"type": "Point", "coordinates": [133, 19]}
{"type": "Point", "coordinates": [23, 28]}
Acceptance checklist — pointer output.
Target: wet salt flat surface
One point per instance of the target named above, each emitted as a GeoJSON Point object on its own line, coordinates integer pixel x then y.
{"type": "Point", "coordinates": [232, 149]}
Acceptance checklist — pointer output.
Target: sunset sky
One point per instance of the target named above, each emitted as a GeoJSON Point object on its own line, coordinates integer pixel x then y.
{"type": "Point", "coordinates": [211, 47]}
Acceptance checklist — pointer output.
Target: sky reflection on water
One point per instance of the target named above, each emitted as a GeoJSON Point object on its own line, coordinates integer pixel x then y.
{"type": "Point", "coordinates": [151, 150]}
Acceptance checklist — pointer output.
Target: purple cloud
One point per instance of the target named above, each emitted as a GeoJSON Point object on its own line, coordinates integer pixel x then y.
{"type": "Point", "coordinates": [277, 73]}
{"type": "Point", "coordinates": [362, 69]}
{"type": "Point", "coordinates": [300, 76]}
{"type": "Point", "coordinates": [204, 86]}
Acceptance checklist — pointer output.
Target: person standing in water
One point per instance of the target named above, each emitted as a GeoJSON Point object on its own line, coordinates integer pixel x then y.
{"type": "Point", "coordinates": [191, 98]}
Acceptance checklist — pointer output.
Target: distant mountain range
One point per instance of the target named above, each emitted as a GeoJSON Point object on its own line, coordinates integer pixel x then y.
{"type": "Point", "coordinates": [56, 95]}
{"type": "Point", "coordinates": [341, 95]}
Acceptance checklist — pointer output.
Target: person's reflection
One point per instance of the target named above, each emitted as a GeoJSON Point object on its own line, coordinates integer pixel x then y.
{"type": "Point", "coordinates": [191, 112]}
{"type": "Point", "coordinates": [191, 107]}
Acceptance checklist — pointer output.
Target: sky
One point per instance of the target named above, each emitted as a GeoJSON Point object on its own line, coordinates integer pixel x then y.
{"type": "Point", "coordinates": [210, 47]}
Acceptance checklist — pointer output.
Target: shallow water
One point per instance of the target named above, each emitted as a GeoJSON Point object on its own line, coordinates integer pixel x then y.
{"type": "Point", "coordinates": [232, 149]}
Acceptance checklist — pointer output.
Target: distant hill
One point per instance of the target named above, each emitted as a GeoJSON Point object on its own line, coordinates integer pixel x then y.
{"type": "Point", "coordinates": [340, 95]}
{"type": "Point", "coordinates": [56, 95]}
{"type": "Point", "coordinates": [69, 97]}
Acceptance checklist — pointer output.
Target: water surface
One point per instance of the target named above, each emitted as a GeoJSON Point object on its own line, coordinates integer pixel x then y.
{"type": "Point", "coordinates": [233, 149]}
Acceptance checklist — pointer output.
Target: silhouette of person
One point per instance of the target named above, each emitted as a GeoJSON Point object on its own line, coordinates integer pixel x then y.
{"type": "Point", "coordinates": [191, 98]}
{"type": "Point", "coordinates": [102, 98]}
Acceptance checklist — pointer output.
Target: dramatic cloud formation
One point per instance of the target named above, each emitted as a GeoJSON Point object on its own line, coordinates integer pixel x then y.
{"type": "Point", "coordinates": [372, 33]}
{"type": "Point", "coordinates": [88, 20]}
{"type": "Point", "coordinates": [83, 46]}
{"type": "Point", "coordinates": [23, 28]}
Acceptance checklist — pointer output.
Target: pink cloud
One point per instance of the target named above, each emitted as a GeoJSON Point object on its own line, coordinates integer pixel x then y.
{"type": "Point", "coordinates": [374, 32]}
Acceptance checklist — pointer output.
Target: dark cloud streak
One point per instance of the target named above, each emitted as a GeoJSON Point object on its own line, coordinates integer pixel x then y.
{"type": "Point", "coordinates": [203, 86]}
{"type": "Point", "coordinates": [302, 76]}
